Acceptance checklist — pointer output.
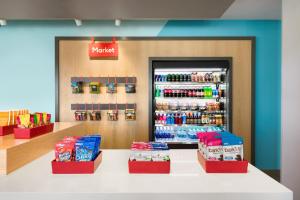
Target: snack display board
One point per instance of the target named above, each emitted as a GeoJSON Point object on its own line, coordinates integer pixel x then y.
{"type": "Point", "coordinates": [133, 61]}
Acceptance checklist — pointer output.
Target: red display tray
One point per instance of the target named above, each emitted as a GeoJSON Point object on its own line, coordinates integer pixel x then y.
{"type": "Point", "coordinates": [149, 167]}
{"type": "Point", "coordinates": [27, 133]}
{"type": "Point", "coordinates": [223, 166]}
{"type": "Point", "coordinates": [5, 130]}
{"type": "Point", "coordinates": [74, 167]}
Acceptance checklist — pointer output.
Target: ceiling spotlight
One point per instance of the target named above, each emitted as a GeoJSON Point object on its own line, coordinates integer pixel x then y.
{"type": "Point", "coordinates": [78, 22]}
{"type": "Point", "coordinates": [3, 22]}
{"type": "Point", "coordinates": [117, 22]}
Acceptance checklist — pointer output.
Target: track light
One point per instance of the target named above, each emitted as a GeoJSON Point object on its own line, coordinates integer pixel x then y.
{"type": "Point", "coordinates": [78, 22]}
{"type": "Point", "coordinates": [3, 22]}
{"type": "Point", "coordinates": [117, 22]}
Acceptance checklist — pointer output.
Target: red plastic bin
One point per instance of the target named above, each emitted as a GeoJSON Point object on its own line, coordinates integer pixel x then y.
{"type": "Point", "coordinates": [223, 166]}
{"type": "Point", "coordinates": [27, 133]}
{"type": "Point", "coordinates": [149, 167]}
{"type": "Point", "coordinates": [5, 130]}
{"type": "Point", "coordinates": [75, 167]}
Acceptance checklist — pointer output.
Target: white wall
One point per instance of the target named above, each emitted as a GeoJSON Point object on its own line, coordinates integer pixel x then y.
{"type": "Point", "coordinates": [290, 134]}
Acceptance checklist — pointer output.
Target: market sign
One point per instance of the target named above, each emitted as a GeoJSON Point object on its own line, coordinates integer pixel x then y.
{"type": "Point", "coordinates": [103, 49]}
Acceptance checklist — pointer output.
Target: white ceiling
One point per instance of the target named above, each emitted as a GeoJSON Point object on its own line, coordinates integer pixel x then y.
{"type": "Point", "coordinates": [254, 9]}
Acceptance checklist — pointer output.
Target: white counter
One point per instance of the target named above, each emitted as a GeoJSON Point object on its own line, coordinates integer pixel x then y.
{"type": "Point", "coordinates": [112, 181]}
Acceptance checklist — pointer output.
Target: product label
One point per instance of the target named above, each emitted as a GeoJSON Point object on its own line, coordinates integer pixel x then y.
{"type": "Point", "coordinates": [214, 153]}
{"type": "Point", "coordinates": [233, 153]}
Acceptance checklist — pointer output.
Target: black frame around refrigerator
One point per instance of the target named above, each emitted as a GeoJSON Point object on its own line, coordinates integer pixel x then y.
{"type": "Point", "coordinates": [189, 62]}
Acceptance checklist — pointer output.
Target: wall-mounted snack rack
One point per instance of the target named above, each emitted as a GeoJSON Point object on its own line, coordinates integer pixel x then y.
{"type": "Point", "coordinates": [104, 80]}
{"type": "Point", "coordinates": [102, 106]}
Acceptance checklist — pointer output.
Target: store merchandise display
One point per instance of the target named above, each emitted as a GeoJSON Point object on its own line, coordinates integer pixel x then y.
{"type": "Point", "coordinates": [201, 77]}
{"type": "Point", "coordinates": [77, 155]}
{"type": "Point", "coordinates": [186, 134]}
{"type": "Point", "coordinates": [153, 151]}
{"type": "Point", "coordinates": [149, 158]}
{"type": "Point", "coordinates": [219, 146]}
{"type": "Point", "coordinates": [189, 100]}
{"type": "Point", "coordinates": [8, 120]}
{"type": "Point", "coordinates": [221, 152]}
{"type": "Point", "coordinates": [33, 120]}
{"type": "Point", "coordinates": [84, 148]}
{"type": "Point", "coordinates": [32, 125]}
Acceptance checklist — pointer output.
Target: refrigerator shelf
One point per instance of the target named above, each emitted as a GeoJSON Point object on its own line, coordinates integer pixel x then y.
{"type": "Point", "coordinates": [187, 125]}
{"type": "Point", "coordinates": [190, 98]}
{"type": "Point", "coordinates": [189, 83]}
{"type": "Point", "coordinates": [182, 111]}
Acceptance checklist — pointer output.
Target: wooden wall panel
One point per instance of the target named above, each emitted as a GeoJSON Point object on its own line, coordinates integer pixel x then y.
{"type": "Point", "coordinates": [133, 61]}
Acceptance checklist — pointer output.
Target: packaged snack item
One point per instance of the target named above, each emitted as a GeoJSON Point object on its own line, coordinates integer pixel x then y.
{"type": "Point", "coordinates": [111, 87]}
{"type": "Point", "coordinates": [77, 87]}
{"type": "Point", "coordinates": [94, 87]}
{"type": "Point", "coordinates": [232, 148]}
{"type": "Point", "coordinates": [129, 87]}
{"type": "Point", "coordinates": [64, 151]}
{"type": "Point", "coordinates": [214, 149]}
{"type": "Point", "coordinates": [112, 115]}
{"type": "Point", "coordinates": [84, 150]}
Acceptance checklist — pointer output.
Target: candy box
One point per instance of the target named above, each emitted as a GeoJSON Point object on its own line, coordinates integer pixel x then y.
{"type": "Point", "coordinates": [5, 130]}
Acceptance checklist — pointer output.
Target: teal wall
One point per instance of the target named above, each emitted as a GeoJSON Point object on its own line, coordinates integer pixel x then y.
{"type": "Point", "coordinates": [27, 65]}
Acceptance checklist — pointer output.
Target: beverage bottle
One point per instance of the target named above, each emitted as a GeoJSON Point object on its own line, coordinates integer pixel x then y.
{"type": "Point", "coordinates": [168, 77]}
{"type": "Point", "coordinates": [164, 118]}
{"type": "Point", "coordinates": [220, 92]}
{"type": "Point", "coordinates": [168, 118]}
{"type": "Point", "coordinates": [172, 119]}
{"type": "Point", "coordinates": [216, 93]}
{"type": "Point", "coordinates": [198, 93]}
{"type": "Point", "coordinates": [189, 78]}
{"type": "Point", "coordinates": [222, 77]}
{"type": "Point", "coordinates": [173, 78]}
{"type": "Point", "coordinates": [176, 118]}
{"type": "Point", "coordinates": [181, 78]}
{"type": "Point", "coordinates": [184, 118]}
{"type": "Point", "coordinates": [201, 93]}
{"type": "Point", "coordinates": [177, 77]}
{"type": "Point", "coordinates": [195, 118]}
{"type": "Point", "coordinates": [194, 93]}
{"type": "Point", "coordinates": [209, 92]}
{"type": "Point", "coordinates": [179, 119]}
{"type": "Point", "coordinates": [206, 77]}
{"type": "Point", "coordinates": [199, 118]}
{"type": "Point", "coordinates": [157, 118]}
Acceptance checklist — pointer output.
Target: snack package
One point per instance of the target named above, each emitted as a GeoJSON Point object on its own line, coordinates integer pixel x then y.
{"type": "Point", "coordinates": [64, 151]}
{"type": "Point", "coordinates": [48, 118]}
{"type": "Point", "coordinates": [214, 151]}
{"type": "Point", "coordinates": [232, 148]}
{"type": "Point", "coordinates": [84, 150]}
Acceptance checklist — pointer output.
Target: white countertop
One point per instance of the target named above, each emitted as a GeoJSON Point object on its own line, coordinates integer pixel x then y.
{"type": "Point", "coordinates": [112, 181]}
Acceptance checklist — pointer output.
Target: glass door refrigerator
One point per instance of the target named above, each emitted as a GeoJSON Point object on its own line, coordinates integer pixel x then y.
{"type": "Point", "coordinates": [188, 95]}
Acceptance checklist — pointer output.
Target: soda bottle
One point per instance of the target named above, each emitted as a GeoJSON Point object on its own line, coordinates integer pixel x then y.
{"type": "Point", "coordinates": [181, 78]}
{"type": "Point", "coordinates": [172, 119]}
{"type": "Point", "coordinates": [168, 77]}
{"type": "Point", "coordinates": [189, 78]}
{"type": "Point", "coordinates": [179, 119]}
{"type": "Point", "coordinates": [176, 118]}
{"type": "Point", "coordinates": [209, 92]}
{"type": "Point", "coordinates": [177, 77]}
{"type": "Point", "coordinates": [164, 118]}
{"type": "Point", "coordinates": [184, 118]}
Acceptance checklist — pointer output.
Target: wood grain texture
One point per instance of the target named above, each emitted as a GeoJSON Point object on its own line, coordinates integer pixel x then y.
{"type": "Point", "coordinates": [15, 153]}
{"type": "Point", "coordinates": [133, 61]}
